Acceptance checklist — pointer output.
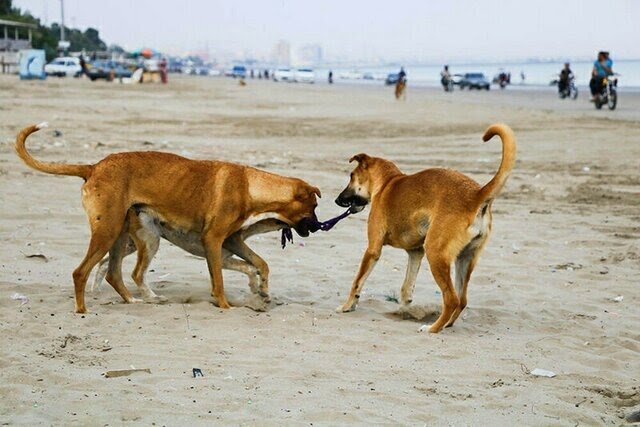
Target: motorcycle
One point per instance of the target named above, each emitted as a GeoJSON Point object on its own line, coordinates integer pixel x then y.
{"type": "Point", "coordinates": [608, 93]}
{"type": "Point", "coordinates": [569, 91]}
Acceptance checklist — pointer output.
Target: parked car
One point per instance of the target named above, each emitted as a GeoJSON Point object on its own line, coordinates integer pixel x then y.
{"type": "Point", "coordinates": [239, 71]}
{"type": "Point", "coordinates": [304, 75]}
{"type": "Point", "coordinates": [65, 66]}
{"type": "Point", "coordinates": [101, 70]}
{"type": "Point", "coordinates": [474, 81]}
{"type": "Point", "coordinates": [283, 75]}
{"type": "Point", "coordinates": [392, 78]}
{"type": "Point", "coordinates": [457, 78]}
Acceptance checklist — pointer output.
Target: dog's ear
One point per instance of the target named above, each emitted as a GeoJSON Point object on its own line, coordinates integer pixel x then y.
{"type": "Point", "coordinates": [362, 159]}
{"type": "Point", "coordinates": [304, 192]}
{"type": "Point", "coordinates": [316, 191]}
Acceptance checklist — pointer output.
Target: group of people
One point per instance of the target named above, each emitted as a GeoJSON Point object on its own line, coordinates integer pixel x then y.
{"type": "Point", "coordinates": [602, 68]}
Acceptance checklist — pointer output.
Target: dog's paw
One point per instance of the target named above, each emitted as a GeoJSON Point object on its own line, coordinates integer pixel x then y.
{"type": "Point", "coordinates": [345, 308]}
{"type": "Point", "coordinates": [434, 329]}
{"type": "Point", "coordinates": [155, 299]}
{"type": "Point", "coordinates": [223, 305]}
{"type": "Point", "coordinates": [265, 296]}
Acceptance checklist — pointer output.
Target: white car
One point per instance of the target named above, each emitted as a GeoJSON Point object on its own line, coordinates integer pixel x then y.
{"type": "Point", "coordinates": [64, 66]}
{"type": "Point", "coordinates": [283, 75]}
{"type": "Point", "coordinates": [305, 75]}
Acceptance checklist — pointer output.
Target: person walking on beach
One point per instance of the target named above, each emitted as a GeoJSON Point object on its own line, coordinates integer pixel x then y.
{"type": "Point", "coordinates": [83, 66]}
{"type": "Point", "coordinates": [602, 68]}
{"type": "Point", "coordinates": [163, 71]}
{"type": "Point", "coordinates": [401, 84]}
{"type": "Point", "coordinates": [445, 79]}
{"type": "Point", "coordinates": [330, 77]}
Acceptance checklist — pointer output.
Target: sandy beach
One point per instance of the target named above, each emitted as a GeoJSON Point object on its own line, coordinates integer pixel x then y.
{"type": "Point", "coordinates": [556, 287]}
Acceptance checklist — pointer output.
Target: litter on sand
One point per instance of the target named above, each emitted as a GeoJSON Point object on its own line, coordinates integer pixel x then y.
{"type": "Point", "coordinates": [619, 298]}
{"type": "Point", "coordinates": [39, 256]}
{"type": "Point", "coordinates": [542, 373]}
{"type": "Point", "coordinates": [197, 372]}
{"type": "Point", "coordinates": [19, 297]}
{"type": "Point", "coordinates": [124, 372]}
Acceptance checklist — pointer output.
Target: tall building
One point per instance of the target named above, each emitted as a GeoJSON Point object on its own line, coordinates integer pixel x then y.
{"type": "Point", "coordinates": [309, 55]}
{"type": "Point", "coordinates": [282, 53]}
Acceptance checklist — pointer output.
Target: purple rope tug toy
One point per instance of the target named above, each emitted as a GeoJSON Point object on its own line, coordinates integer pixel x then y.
{"type": "Point", "coordinates": [315, 225]}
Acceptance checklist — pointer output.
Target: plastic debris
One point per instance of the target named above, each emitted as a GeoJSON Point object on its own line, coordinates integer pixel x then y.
{"type": "Point", "coordinates": [542, 373]}
{"type": "Point", "coordinates": [619, 298]}
{"type": "Point", "coordinates": [586, 169]}
{"type": "Point", "coordinates": [197, 372]}
{"type": "Point", "coordinates": [19, 297]}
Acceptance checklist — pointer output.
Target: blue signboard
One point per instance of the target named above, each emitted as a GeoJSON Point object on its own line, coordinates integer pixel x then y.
{"type": "Point", "coordinates": [32, 64]}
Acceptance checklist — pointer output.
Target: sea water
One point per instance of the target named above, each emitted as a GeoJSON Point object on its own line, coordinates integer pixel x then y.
{"type": "Point", "coordinates": [535, 73]}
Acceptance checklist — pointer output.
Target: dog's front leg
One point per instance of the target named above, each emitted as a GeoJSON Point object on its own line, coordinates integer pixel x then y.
{"type": "Point", "coordinates": [236, 245]}
{"type": "Point", "coordinates": [369, 260]}
{"type": "Point", "coordinates": [213, 249]}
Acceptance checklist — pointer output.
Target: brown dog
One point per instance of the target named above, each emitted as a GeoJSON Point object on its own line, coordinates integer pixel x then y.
{"type": "Point", "coordinates": [210, 199]}
{"type": "Point", "coordinates": [439, 212]}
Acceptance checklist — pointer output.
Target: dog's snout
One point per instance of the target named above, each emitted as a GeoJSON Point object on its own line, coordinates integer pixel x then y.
{"type": "Point", "coordinates": [344, 198]}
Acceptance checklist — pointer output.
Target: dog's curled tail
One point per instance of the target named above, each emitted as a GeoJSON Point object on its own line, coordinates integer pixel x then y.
{"type": "Point", "coordinates": [83, 171]}
{"type": "Point", "coordinates": [493, 187]}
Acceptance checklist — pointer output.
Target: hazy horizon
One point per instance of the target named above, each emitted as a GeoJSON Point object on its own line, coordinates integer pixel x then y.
{"type": "Point", "coordinates": [418, 31]}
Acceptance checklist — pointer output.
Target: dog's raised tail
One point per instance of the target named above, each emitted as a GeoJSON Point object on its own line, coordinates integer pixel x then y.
{"type": "Point", "coordinates": [83, 171]}
{"type": "Point", "coordinates": [493, 187]}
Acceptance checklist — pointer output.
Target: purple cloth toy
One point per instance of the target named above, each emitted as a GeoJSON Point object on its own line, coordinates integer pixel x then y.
{"type": "Point", "coordinates": [314, 225]}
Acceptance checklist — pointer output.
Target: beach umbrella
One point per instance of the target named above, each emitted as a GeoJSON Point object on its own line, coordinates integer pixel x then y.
{"type": "Point", "coordinates": [145, 52]}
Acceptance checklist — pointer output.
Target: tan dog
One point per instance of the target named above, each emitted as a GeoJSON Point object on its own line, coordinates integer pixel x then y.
{"type": "Point", "coordinates": [210, 199]}
{"type": "Point", "coordinates": [439, 212]}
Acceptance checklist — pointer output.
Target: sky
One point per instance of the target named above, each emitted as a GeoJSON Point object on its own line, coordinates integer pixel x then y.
{"type": "Point", "coordinates": [409, 30]}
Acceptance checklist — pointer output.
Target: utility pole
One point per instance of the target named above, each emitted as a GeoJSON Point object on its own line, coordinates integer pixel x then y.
{"type": "Point", "coordinates": [63, 45]}
{"type": "Point", "coordinates": [62, 19]}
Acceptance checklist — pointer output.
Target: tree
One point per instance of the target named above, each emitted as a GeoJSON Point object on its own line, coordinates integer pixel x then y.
{"type": "Point", "coordinates": [6, 8]}
{"type": "Point", "coordinates": [47, 38]}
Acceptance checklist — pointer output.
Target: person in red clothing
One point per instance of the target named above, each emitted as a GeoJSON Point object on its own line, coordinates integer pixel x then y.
{"type": "Point", "coordinates": [163, 71]}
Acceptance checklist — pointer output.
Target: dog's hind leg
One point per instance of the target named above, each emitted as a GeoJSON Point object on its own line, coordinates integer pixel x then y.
{"type": "Point", "coordinates": [114, 273]}
{"type": "Point", "coordinates": [441, 251]}
{"type": "Point", "coordinates": [464, 265]}
{"type": "Point", "coordinates": [147, 243]}
{"type": "Point", "coordinates": [237, 246]}
{"type": "Point", "coordinates": [103, 266]}
{"type": "Point", "coordinates": [230, 263]}
{"type": "Point", "coordinates": [103, 236]}
{"type": "Point", "coordinates": [409, 284]}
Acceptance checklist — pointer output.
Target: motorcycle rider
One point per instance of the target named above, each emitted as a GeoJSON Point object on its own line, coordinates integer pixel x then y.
{"type": "Point", "coordinates": [445, 77]}
{"type": "Point", "coordinates": [566, 75]}
{"type": "Point", "coordinates": [602, 68]}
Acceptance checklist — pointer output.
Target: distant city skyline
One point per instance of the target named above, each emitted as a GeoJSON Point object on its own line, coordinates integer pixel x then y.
{"type": "Point", "coordinates": [376, 32]}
